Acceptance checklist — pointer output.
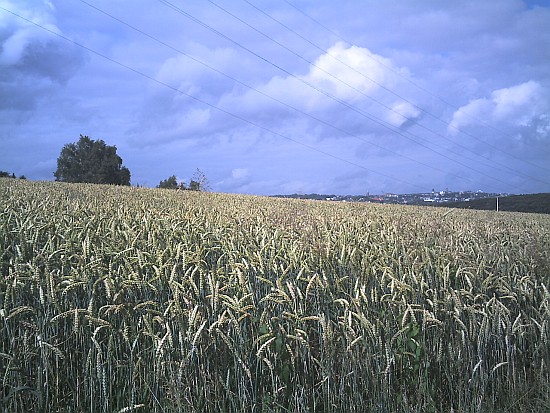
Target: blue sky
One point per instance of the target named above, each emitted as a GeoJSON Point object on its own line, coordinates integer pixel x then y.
{"type": "Point", "coordinates": [274, 97]}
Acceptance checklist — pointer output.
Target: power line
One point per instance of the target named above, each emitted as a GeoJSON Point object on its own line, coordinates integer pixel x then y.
{"type": "Point", "coordinates": [269, 96]}
{"type": "Point", "coordinates": [283, 103]}
{"type": "Point", "coordinates": [369, 116]}
{"type": "Point", "coordinates": [412, 120]}
{"type": "Point", "coordinates": [377, 120]}
{"type": "Point", "coordinates": [349, 106]}
{"type": "Point", "coordinates": [456, 108]}
{"type": "Point", "coordinates": [278, 100]}
{"type": "Point", "coordinates": [238, 117]}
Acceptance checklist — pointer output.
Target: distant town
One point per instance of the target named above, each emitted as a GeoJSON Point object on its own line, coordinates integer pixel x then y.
{"type": "Point", "coordinates": [426, 198]}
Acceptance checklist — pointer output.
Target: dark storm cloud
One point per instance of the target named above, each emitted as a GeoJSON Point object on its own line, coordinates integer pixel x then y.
{"type": "Point", "coordinates": [32, 63]}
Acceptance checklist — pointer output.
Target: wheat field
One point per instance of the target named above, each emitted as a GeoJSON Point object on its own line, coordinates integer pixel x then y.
{"type": "Point", "coordinates": [117, 299]}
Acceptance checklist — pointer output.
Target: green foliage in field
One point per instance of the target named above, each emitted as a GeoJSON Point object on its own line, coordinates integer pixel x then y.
{"type": "Point", "coordinates": [91, 161]}
{"type": "Point", "coordinates": [116, 299]}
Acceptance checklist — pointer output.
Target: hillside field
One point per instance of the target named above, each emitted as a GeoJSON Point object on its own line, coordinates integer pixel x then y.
{"type": "Point", "coordinates": [537, 203]}
{"type": "Point", "coordinates": [119, 299]}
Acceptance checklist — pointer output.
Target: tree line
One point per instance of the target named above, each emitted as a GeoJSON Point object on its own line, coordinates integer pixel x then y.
{"type": "Point", "coordinates": [93, 161]}
{"type": "Point", "coordinates": [198, 182]}
{"type": "Point", "coordinates": [4, 174]}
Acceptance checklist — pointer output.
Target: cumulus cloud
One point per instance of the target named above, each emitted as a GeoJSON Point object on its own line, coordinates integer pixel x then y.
{"type": "Point", "coordinates": [188, 73]}
{"type": "Point", "coordinates": [402, 113]}
{"type": "Point", "coordinates": [514, 100]}
{"type": "Point", "coordinates": [516, 105]}
{"type": "Point", "coordinates": [343, 74]}
{"type": "Point", "coordinates": [342, 77]}
{"type": "Point", "coordinates": [349, 72]}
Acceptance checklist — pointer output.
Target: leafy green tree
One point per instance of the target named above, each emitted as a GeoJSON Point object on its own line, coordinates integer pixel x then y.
{"type": "Point", "coordinates": [91, 161]}
{"type": "Point", "coordinates": [194, 185]}
{"type": "Point", "coordinates": [169, 183]}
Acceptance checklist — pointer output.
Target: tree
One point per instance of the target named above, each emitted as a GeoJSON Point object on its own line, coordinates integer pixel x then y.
{"type": "Point", "coordinates": [198, 182]}
{"type": "Point", "coordinates": [91, 161]}
{"type": "Point", "coordinates": [4, 174]}
{"type": "Point", "coordinates": [169, 183]}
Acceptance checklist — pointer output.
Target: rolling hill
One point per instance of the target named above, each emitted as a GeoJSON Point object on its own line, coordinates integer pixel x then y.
{"type": "Point", "coordinates": [536, 203]}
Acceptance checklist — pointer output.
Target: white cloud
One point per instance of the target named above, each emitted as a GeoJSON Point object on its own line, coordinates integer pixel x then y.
{"type": "Point", "coordinates": [353, 75]}
{"type": "Point", "coordinates": [344, 76]}
{"type": "Point", "coordinates": [515, 105]}
{"type": "Point", "coordinates": [510, 101]}
{"type": "Point", "coordinates": [348, 72]}
{"type": "Point", "coordinates": [401, 113]}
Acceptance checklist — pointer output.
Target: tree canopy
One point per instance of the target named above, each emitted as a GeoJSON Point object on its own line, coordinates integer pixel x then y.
{"type": "Point", "coordinates": [198, 182]}
{"type": "Point", "coordinates": [170, 183]}
{"type": "Point", "coordinates": [91, 161]}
